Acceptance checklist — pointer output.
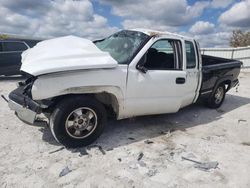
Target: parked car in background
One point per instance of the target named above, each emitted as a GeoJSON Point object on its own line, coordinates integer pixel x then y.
{"type": "Point", "coordinates": [10, 55]}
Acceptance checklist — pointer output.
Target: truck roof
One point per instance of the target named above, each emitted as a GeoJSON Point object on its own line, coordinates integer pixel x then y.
{"type": "Point", "coordinates": [151, 32]}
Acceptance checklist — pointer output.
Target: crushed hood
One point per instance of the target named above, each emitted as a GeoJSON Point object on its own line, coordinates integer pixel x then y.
{"type": "Point", "coordinates": [65, 54]}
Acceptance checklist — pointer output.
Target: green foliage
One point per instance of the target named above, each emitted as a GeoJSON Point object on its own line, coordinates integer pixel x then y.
{"type": "Point", "coordinates": [3, 36]}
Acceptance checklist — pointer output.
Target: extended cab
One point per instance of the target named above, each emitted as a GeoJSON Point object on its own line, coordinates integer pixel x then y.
{"type": "Point", "coordinates": [77, 83]}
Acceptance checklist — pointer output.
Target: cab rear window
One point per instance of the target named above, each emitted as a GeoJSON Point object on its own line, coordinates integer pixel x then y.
{"type": "Point", "coordinates": [190, 55]}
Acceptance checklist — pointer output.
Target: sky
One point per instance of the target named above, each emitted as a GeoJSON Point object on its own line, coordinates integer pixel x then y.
{"type": "Point", "coordinates": [211, 22]}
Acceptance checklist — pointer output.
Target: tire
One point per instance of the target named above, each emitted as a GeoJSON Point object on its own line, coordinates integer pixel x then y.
{"type": "Point", "coordinates": [217, 97]}
{"type": "Point", "coordinates": [72, 129]}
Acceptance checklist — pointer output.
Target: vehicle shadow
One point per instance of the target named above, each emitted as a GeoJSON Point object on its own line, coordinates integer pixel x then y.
{"type": "Point", "coordinates": [47, 135]}
{"type": "Point", "coordinates": [124, 132]}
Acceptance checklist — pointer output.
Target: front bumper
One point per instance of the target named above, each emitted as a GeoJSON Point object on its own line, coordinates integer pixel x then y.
{"type": "Point", "coordinates": [22, 113]}
{"type": "Point", "coordinates": [25, 108]}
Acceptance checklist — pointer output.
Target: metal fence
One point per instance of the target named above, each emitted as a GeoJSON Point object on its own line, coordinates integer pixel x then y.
{"type": "Point", "coordinates": [242, 54]}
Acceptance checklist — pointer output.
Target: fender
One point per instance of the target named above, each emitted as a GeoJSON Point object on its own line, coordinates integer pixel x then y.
{"type": "Point", "coordinates": [223, 79]}
{"type": "Point", "coordinates": [109, 81]}
{"type": "Point", "coordinates": [117, 102]}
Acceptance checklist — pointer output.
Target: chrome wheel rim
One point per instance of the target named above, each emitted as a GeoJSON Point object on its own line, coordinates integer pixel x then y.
{"type": "Point", "coordinates": [81, 123]}
{"type": "Point", "coordinates": [219, 95]}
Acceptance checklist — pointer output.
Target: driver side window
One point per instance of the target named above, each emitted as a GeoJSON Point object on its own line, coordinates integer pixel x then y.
{"type": "Point", "coordinates": [164, 55]}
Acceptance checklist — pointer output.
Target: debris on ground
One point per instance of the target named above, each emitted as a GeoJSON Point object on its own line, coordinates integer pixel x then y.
{"type": "Point", "coordinates": [131, 138]}
{"type": "Point", "coordinates": [83, 152]}
{"type": "Point", "coordinates": [148, 142]}
{"type": "Point", "coordinates": [61, 148]}
{"type": "Point", "coordinates": [172, 153]}
{"type": "Point", "coordinates": [203, 165]}
{"type": "Point", "coordinates": [65, 171]}
{"type": "Point", "coordinates": [241, 120]}
{"type": "Point", "coordinates": [101, 150]}
{"type": "Point", "coordinates": [6, 100]}
{"type": "Point", "coordinates": [220, 135]}
{"type": "Point", "coordinates": [152, 172]}
{"type": "Point", "coordinates": [208, 165]}
{"type": "Point", "coordinates": [140, 156]}
{"type": "Point", "coordinates": [246, 143]}
{"type": "Point", "coordinates": [207, 138]}
{"type": "Point", "coordinates": [119, 159]}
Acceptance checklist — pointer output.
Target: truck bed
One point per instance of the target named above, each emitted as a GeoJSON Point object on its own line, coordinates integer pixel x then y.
{"type": "Point", "coordinates": [211, 62]}
{"type": "Point", "coordinates": [216, 69]}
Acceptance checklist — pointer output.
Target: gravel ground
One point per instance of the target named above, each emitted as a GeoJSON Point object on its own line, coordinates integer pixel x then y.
{"type": "Point", "coordinates": [139, 152]}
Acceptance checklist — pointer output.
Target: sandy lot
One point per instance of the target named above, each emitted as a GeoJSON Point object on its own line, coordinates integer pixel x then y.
{"type": "Point", "coordinates": [31, 158]}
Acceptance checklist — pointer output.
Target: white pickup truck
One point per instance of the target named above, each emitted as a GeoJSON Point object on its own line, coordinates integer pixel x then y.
{"type": "Point", "coordinates": [77, 83]}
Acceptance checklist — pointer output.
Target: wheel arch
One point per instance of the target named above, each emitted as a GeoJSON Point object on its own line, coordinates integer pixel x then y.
{"type": "Point", "coordinates": [110, 97]}
{"type": "Point", "coordinates": [227, 81]}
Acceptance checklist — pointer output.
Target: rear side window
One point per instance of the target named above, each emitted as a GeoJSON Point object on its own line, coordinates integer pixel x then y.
{"type": "Point", "coordinates": [190, 55]}
{"type": "Point", "coordinates": [14, 46]}
{"type": "Point", "coordinates": [1, 48]}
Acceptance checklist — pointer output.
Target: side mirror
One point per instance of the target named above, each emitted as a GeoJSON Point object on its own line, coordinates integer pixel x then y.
{"type": "Point", "coordinates": [142, 68]}
{"type": "Point", "coordinates": [141, 63]}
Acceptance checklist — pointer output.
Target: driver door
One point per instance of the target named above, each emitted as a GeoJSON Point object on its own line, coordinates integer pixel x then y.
{"type": "Point", "coordinates": [162, 88]}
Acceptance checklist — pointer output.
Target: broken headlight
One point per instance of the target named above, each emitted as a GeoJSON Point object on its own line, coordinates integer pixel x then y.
{"type": "Point", "coordinates": [27, 85]}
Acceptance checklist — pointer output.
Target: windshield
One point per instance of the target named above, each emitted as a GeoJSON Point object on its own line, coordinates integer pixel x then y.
{"type": "Point", "coordinates": [122, 45]}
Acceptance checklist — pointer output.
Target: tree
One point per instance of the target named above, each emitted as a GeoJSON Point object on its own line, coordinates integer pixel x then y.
{"type": "Point", "coordinates": [3, 36]}
{"type": "Point", "coordinates": [239, 39]}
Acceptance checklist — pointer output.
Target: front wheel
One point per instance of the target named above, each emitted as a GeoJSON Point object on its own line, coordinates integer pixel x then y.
{"type": "Point", "coordinates": [78, 121]}
{"type": "Point", "coordinates": [217, 97]}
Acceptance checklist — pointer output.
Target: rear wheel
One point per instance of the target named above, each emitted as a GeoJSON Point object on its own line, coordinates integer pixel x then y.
{"type": "Point", "coordinates": [217, 97]}
{"type": "Point", "coordinates": [78, 121]}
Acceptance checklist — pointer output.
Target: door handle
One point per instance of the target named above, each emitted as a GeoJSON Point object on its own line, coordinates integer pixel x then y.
{"type": "Point", "coordinates": [180, 80]}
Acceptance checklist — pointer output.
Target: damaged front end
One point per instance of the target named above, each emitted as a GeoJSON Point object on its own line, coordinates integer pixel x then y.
{"type": "Point", "coordinates": [20, 100]}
